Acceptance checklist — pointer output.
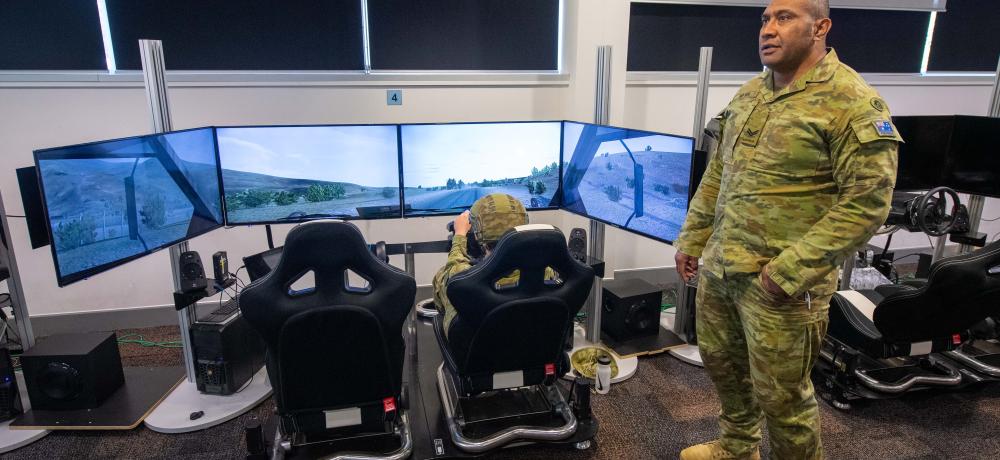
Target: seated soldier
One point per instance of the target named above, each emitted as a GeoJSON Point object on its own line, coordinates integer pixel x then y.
{"type": "Point", "coordinates": [489, 219]}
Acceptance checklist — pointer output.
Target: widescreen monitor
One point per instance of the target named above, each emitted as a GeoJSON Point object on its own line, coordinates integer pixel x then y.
{"type": "Point", "coordinates": [635, 180]}
{"type": "Point", "coordinates": [110, 202]}
{"type": "Point", "coordinates": [923, 152]}
{"type": "Point", "coordinates": [974, 156]}
{"type": "Point", "coordinates": [281, 174]}
{"type": "Point", "coordinates": [447, 167]}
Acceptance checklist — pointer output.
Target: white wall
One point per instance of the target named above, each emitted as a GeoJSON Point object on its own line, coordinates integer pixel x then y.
{"type": "Point", "coordinates": [33, 116]}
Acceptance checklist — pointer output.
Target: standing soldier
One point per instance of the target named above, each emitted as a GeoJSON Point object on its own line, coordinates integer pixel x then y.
{"type": "Point", "coordinates": [802, 176]}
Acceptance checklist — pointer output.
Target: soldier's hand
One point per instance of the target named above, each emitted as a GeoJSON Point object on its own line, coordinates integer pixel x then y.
{"type": "Point", "coordinates": [462, 224]}
{"type": "Point", "coordinates": [687, 266]}
{"type": "Point", "coordinates": [769, 285]}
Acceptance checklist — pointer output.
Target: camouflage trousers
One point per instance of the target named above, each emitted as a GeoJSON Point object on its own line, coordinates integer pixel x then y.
{"type": "Point", "coordinates": [759, 350]}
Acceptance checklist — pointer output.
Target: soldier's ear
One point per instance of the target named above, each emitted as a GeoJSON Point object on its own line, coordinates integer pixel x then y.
{"type": "Point", "coordinates": [821, 28]}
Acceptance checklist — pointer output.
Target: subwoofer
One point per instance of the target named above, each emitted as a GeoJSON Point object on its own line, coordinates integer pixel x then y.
{"type": "Point", "coordinates": [631, 309]}
{"type": "Point", "coordinates": [72, 371]}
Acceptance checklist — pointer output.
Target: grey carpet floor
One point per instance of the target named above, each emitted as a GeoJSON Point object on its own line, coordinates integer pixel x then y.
{"type": "Point", "coordinates": [667, 406]}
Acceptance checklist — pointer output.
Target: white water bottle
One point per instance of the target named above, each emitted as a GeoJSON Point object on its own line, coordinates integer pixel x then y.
{"type": "Point", "coordinates": [603, 384]}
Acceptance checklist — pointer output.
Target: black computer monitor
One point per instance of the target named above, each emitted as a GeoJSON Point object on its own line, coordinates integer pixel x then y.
{"type": "Point", "coordinates": [974, 156]}
{"type": "Point", "coordinates": [699, 164]}
{"type": "Point", "coordinates": [110, 202]}
{"type": "Point", "coordinates": [923, 152]}
{"type": "Point", "coordinates": [447, 167]}
{"type": "Point", "coordinates": [282, 174]}
{"type": "Point", "coordinates": [31, 198]}
{"type": "Point", "coordinates": [634, 180]}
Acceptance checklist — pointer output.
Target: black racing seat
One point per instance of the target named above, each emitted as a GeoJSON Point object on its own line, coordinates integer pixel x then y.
{"type": "Point", "coordinates": [906, 320]}
{"type": "Point", "coordinates": [509, 339]}
{"type": "Point", "coordinates": [334, 352]}
{"type": "Point", "coordinates": [513, 336]}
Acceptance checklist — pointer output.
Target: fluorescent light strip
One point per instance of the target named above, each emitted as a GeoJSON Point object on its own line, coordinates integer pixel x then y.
{"type": "Point", "coordinates": [366, 36]}
{"type": "Point", "coordinates": [559, 45]}
{"type": "Point", "coordinates": [109, 50]}
{"type": "Point", "coordinates": [927, 43]}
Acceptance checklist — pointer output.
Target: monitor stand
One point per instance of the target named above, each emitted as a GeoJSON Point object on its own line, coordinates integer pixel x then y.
{"type": "Point", "coordinates": [687, 353]}
{"type": "Point", "coordinates": [175, 413]}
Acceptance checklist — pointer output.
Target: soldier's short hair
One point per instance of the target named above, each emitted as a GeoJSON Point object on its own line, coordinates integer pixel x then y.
{"type": "Point", "coordinates": [820, 9]}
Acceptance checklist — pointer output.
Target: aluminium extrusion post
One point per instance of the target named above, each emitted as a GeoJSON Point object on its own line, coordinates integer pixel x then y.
{"type": "Point", "coordinates": [17, 304]}
{"type": "Point", "coordinates": [185, 409]}
{"type": "Point", "coordinates": [595, 243]}
{"type": "Point", "coordinates": [690, 353]}
{"type": "Point", "coordinates": [155, 82]}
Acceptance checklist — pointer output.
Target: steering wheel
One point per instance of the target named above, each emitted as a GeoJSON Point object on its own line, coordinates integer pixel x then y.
{"type": "Point", "coordinates": [930, 213]}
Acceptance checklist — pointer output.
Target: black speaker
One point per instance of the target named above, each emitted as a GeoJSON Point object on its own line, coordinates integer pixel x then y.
{"type": "Point", "coordinates": [578, 244]}
{"type": "Point", "coordinates": [10, 398]}
{"type": "Point", "coordinates": [72, 371]}
{"type": "Point", "coordinates": [192, 275]}
{"type": "Point", "coordinates": [220, 266]}
{"type": "Point", "coordinates": [631, 309]}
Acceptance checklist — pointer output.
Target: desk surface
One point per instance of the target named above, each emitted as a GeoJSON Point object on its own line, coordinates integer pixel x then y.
{"type": "Point", "coordinates": [143, 390]}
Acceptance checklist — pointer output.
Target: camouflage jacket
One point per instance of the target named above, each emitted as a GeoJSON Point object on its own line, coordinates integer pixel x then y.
{"type": "Point", "coordinates": [801, 177]}
{"type": "Point", "coordinates": [458, 262]}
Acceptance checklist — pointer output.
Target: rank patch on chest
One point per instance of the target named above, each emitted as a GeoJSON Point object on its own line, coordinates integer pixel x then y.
{"type": "Point", "coordinates": [884, 128]}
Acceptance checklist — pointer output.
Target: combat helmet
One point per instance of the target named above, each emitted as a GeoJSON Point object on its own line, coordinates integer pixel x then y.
{"type": "Point", "coordinates": [493, 215]}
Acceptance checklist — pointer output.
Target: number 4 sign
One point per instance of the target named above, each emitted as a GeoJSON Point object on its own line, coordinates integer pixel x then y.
{"type": "Point", "coordinates": [394, 97]}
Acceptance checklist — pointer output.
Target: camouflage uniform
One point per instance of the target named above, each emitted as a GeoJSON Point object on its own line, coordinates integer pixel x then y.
{"type": "Point", "coordinates": [491, 216]}
{"type": "Point", "coordinates": [801, 178]}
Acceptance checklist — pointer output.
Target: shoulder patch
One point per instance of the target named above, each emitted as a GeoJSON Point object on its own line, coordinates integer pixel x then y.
{"type": "Point", "coordinates": [878, 104]}
{"type": "Point", "coordinates": [883, 127]}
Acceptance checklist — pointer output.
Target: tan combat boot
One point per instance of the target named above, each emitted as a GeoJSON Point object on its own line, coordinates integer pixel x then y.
{"type": "Point", "coordinates": [714, 451]}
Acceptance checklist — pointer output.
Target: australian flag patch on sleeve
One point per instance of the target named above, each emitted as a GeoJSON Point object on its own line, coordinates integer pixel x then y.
{"type": "Point", "coordinates": [884, 128]}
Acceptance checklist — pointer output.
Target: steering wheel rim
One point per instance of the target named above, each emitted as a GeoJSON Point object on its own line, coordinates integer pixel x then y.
{"type": "Point", "coordinates": [924, 209]}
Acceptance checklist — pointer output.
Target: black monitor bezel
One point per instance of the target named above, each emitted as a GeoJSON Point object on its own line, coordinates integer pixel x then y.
{"type": "Point", "coordinates": [222, 184]}
{"type": "Point", "coordinates": [65, 280]}
{"type": "Point", "coordinates": [606, 222]}
{"type": "Point", "coordinates": [959, 121]}
{"type": "Point", "coordinates": [942, 172]}
{"type": "Point", "coordinates": [556, 197]}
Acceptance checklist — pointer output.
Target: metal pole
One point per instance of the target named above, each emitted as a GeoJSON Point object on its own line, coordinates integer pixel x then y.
{"type": "Point", "coordinates": [595, 245]}
{"type": "Point", "coordinates": [602, 107]}
{"type": "Point", "coordinates": [409, 263]}
{"type": "Point", "coordinates": [595, 248]}
{"type": "Point", "coordinates": [155, 79]}
{"type": "Point", "coordinates": [701, 99]}
{"type": "Point", "coordinates": [995, 99]}
{"type": "Point", "coordinates": [17, 304]}
{"type": "Point", "coordinates": [681, 311]}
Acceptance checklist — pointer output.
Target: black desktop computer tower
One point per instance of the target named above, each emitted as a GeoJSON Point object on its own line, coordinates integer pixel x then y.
{"type": "Point", "coordinates": [227, 353]}
{"type": "Point", "coordinates": [10, 397]}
